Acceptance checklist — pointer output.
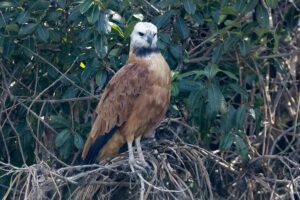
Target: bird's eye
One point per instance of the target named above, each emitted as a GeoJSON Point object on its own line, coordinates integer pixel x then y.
{"type": "Point", "coordinates": [141, 34]}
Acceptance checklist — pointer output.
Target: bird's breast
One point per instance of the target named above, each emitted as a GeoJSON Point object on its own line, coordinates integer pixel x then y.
{"type": "Point", "coordinates": [160, 71]}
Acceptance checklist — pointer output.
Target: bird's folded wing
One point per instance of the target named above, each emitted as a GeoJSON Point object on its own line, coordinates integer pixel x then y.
{"type": "Point", "coordinates": [117, 100]}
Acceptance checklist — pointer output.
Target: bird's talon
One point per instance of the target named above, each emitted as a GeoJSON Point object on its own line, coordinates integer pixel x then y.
{"type": "Point", "coordinates": [144, 167]}
{"type": "Point", "coordinates": [139, 166]}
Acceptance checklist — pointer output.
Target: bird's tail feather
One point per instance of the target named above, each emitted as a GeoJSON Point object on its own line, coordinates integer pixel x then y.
{"type": "Point", "coordinates": [95, 147]}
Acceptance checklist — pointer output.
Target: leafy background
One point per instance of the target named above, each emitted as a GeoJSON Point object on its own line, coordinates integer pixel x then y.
{"type": "Point", "coordinates": [235, 68]}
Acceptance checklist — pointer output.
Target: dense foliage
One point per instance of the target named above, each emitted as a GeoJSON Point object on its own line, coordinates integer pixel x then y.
{"type": "Point", "coordinates": [234, 67]}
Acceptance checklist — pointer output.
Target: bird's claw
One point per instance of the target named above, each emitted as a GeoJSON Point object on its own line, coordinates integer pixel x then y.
{"type": "Point", "coordinates": [143, 167]}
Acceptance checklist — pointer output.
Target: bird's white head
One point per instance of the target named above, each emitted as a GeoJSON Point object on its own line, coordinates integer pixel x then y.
{"type": "Point", "coordinates": [143, 36]}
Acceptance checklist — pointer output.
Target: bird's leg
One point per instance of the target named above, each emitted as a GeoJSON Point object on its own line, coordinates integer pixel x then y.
{"type": "Point", "coordinates": [146, 166]}
{"type": "Point", "coordinates": [131, 156]}
{"type": "Point", "coordinates": [132, 163]}
{"type": "Point", "coordinates": [139, 150]}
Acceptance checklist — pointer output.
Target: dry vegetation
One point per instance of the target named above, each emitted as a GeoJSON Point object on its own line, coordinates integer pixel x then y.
{"type": "Point", "coordinates": [232, 129]}
{"type": "Point", "coordinates": [179, 171]}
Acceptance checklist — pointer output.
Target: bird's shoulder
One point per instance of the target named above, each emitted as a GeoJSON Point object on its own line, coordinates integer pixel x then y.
{"type": "Point", "coordinates": [130, 72]}
{"type": "Point", "coordinates": [129, 82]}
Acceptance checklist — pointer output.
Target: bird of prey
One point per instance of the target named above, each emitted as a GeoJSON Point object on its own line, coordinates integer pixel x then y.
{"type": "Point", "coordinates": [134, 101]}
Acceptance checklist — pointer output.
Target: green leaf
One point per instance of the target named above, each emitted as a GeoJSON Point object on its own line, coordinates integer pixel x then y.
{"type": "Point", "coordinates": [12, 27]}
{"type": "Point", "coordinates": [100, 44]}
{"type": "Point", "coordinates": [8, 48]}
{"type": "Point", "coordinates": [194, 99]}
{"type": "Point", "coordinates": [162, 20]}
{"type": "Point", "coordinates": [174, 90]}
{"type": "Point", "coordinates": [189, 6]}
{"type": "Point", "coordinates": [39, 7]}
{"type": "Point", "coordinates": [224, 107]}
{"type": "Point", "coordinates": [43, 33]}
{"type": "Point", "coordinates": [229, 10]}
{"type": "Point", "coordinates": [191, 73]}
{"type": "Point", "coordinates": [54, 15]}
{"type": "Point", "coordinates": [114, 53]}
{"type": "Point", "coordinates": [217, 54]}
{"type": "Point", "coordinates": [101, 78]}
{"type": "Point", "coordinates": [128, 29]}
{"type": "Point", "coordinates": [233, 23]}
{"type": "Point", "coordinates": [165, 3]}
{"type": "Point", "coordinates": [230, 75]}
{"type": "Point", "coordinates": [272, 3]}
{"type": "Point", "coordinates": [7, 4]}
{"type": "Point", "coordinates": [176, 51]}
{"type": "Point", "coordinates": [262, 31]}
{"type": "Point", "coordinates": [237, 88]}
{"type": "Point", "coordinates": [58, 121]}
{"type": "Point", "coordinates": [103, 24]}
{"type": "Point", "coordinates": [186, 85]}
{"type": "Point", "coordinates": [241, 148]}
{"type": "Point", "coordinates": [258, 119]}
{"type": "Point", "coordinates": [22, 17]}
{"type": "Point", "coordinates": [198, 18]}
{"type": "Point", "coordinates": [78, 141]}
{"type": "Point", "coordinates": [27, 29]}
{"type": "Point", "coordinates": [85, 6]}
{"type": "Point", "coordinates": [27, 140]}
{"type": "Point", "coordinates": [86, 34]}
{"type": "Point", "coordinates": [250, 5]}
{"type": "Point", "coordinates": [211, 70]}
{"type": "Point", "coordinates": [214, 99]}
{"type": "Point", "coordinates": [228, 119]}
{"type": "Point", "coordinates": [62, 3]}
{"type": "Point", "coordinates": [88, 72]}
{"type": "Point", "coordinates": [181, 28]}
{"type": "Point", "coordinates": [93, 15]}
{"type": "Point", "coordinates": [115, 27]}
{"type": "Point", "coordinates": [54, 35]}
{"type": "Point", "coordinates": [30, 43]}
{"type": "Point", "coordinates": [71, 92]}
{"type": "Point", "coordinates": [66, 150]}
{"type": "Point", "coordinates": [240, 5]}
{"type": "Point", "coordinates": [226, 141]}
{"type": "Point", "coordinates": [139, 16]}
{"type": "Point", "coordinates": [230, 42]}
{"type": "Point", "coordinates": [241, 116]}
{"type": "Point", "coordinates": [2, 21]}
{"type": "Point", "coordinates": [244, 47]}
{"type": "Point", "coordinates": [165, 37]}
{"type": "Point", "coordinates": [276, 40]}
{"type": "Point", "coordinates": [262, 16]}
{"type": "Point", "coordinates": [216, 15]}
{"type": "Point", "coordinates": [62, 137]}
{"type": "Point", "coordinates": [74, 13]}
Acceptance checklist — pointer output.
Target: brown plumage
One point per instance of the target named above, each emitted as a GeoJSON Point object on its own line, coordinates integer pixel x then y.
{"type": "Point", "coordinates": [134, 101]}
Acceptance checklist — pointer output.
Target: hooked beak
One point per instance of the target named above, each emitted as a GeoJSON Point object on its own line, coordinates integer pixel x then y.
{"type": "Point", "coordinates": [149, 39]}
